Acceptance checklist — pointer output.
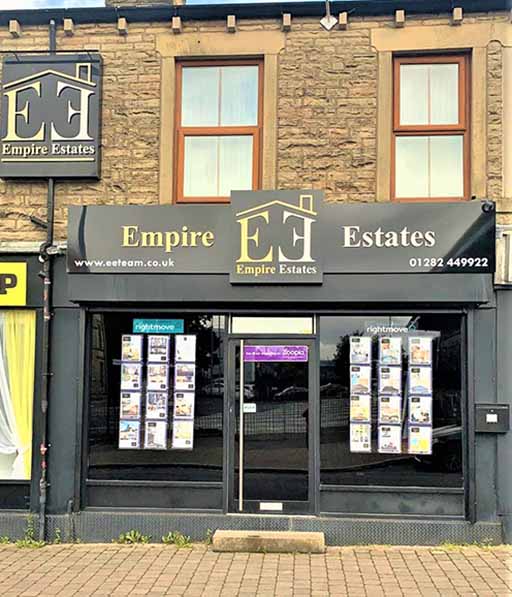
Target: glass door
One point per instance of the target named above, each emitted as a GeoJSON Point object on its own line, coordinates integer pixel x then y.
{"type": "Point", "coordinates": [271, 413]}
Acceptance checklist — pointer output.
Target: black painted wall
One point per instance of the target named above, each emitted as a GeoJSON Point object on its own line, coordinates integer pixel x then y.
{"type": "Point", "coordinates": [504, 394]}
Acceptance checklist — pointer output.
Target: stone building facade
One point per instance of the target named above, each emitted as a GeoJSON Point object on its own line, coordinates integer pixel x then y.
{"type": "Point", "coordinates": [329, 133]}
{"type": "Point", "coordinates": [328, 125]}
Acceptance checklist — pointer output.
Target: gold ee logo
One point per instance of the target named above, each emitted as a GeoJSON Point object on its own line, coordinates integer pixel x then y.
{"type": "Point", "coordinates": [276, 239]}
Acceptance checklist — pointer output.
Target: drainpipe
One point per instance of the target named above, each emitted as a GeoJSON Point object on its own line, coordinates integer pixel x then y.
{"type": "Point", "coordinates": [45, 257]}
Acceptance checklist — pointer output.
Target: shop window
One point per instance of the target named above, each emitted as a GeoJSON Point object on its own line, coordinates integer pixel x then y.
{"type": "Point", "coordinates": [133, 433]}
{"type": "Point", "coordinates": [379, 424]}
{"type": "Point", "coordinates": [430, 124]}
{"type": "Point", "coordinates": [219, 118]}
{"type": "Point", "coordinates": [17, 361]}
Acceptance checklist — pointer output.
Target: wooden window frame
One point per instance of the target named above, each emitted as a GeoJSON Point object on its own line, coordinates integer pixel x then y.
{"type": "Point", "coordinates": [462, 128]}
{"type": "Point", "coordinates": [256, 132]}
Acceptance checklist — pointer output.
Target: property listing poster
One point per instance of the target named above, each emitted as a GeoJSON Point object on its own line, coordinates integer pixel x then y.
{"type": "Point", "coordinates": [360, 350]}
{"type": "Point", "coordinates": [420, 439]}
{"type": "Point", "coordinates": [360, 408]}
{"type": "Point", "coordinates": [184, 405]}
{"type": "Point", "coordinates": [390, 409]}
{"type": "Point", "coordinates": [129, 435]}
{"type": "Point", "coordinates": [420, 350]}
{"type": "Point", "coordinates": [183, 434]}
{"type": "Point", "coordinates": [420, 410]}
{"type": "Point", "coordinates": [360, 393]}
{"type": "Point", "coordinates": [131, 376]}
{"type": "Point", "coordinates": [156, 405]}
{"type": "Point", "coordinates": [390, 380]}
{"type": "Point", "coordinates": [155, 437]}
{"type": "Point", "coordinates": [158, 349]}
{"type": "Point", "coordinates": [131, 348]}
{"type": "Point", "coordinates": [420, 380]}
{"type": "Point", "coordinates": [360, 379]}
{"type": "Point", "coordinates": [186, 349]}
{"type": "Point", "coordinates": [360, 437]}
{"type": "Point", "coordinates": [129, 407]}
{"type": "Point", "coordinates": [420, 395]}
{"type": "Point", "coordinates": [390, 350]}
{"type": "Point", "coordinates": [184, 392]}
{"type": "Point", "coordinates": [158, 377]}
{"type": "Point", "coordinates": [390, 439]}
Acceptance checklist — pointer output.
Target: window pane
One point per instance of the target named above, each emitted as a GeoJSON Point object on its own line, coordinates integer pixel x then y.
{"type": "Point", "coordinates": [447, 171]}
{"type": "Point", "coordinates": [106, 460]}
{"type": "Point", "coordinates": [216, 165]}
{"type": "Point", "coordinates": [235, 171]}
{"type": "Point", "coordinates": [340, 465]}
{"type": "Point", "coordinates": [200, 96]}
{"type": "Point", "coordinates": [200, 168]}
{"type": "Point", "coordinates": [239, 96]}
{"type": "Point", "coordinates": [429, 94]}
{"type": "Point", "coordinates": [444, 93]}
{"type": "Point", "coordinates": [429, 166]}
{"type": "Point", "coordinates": [413, 94]}
{"type": "Point", "coordinates": [411, 167]}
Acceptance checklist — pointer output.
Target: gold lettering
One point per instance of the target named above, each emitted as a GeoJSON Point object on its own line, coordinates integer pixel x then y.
{"type": "Point", "coordinates": [13, 113]}
{"type": "Point", "coordinates": [129, 239]}
{"type": "Point", "coordinates": [172, 239]}
{"type": "Point", "coordinates": [152, 239]}
{"type": "Point", "coordinates": [208, 239]}
{"type": "Point", "coordinates": [245, 237]}
{"type": "Point", "coordinates": [83, 112]}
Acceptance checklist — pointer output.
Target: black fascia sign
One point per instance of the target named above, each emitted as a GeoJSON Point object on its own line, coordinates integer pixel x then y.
{"type": "Point", "coordinates": [50, 116]}
{"type": "Point", "coordinates": [283, 237]}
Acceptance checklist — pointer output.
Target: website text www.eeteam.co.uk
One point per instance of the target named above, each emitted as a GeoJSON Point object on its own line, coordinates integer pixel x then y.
{"type": "Point", "coordinates": [107, 263]}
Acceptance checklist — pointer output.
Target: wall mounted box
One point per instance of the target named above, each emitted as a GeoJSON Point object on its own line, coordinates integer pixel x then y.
{"type": "Point", "coordinates": [492, 418]}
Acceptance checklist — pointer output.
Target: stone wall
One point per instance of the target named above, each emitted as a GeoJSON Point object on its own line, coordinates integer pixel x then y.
{"type": "Point", "coordinates": [327, 114]}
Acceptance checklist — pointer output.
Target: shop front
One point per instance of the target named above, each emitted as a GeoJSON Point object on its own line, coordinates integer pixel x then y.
{"type": "Point", "coordinates": [284, 363]}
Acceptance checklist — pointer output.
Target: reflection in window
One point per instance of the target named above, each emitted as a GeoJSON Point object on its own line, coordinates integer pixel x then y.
{"type": "Point", "coordinates": [106, 460]}
{"type": "Point", "coordinates": [341, 467]}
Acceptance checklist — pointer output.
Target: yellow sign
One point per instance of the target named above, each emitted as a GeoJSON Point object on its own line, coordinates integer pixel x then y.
{"type": "Point", "coordinates": [13, 284]}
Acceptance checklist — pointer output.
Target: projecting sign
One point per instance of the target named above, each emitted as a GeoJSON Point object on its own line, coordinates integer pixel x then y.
{"type": "Point", "coordinates": [283, 237]}
{"type": "Point", "coordinates": [50, 116]}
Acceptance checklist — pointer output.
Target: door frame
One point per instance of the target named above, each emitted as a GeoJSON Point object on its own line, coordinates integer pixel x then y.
{"type": "Point", "coordinates": [231, 458]}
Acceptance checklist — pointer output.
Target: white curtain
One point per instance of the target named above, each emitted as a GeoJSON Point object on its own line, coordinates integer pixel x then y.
{"type": "Point", "coordinates": [10, 443]}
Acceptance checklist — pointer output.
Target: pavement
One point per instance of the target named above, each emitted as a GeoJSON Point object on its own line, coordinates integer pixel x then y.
{"type": "Point", "coordinates": [157, 570]}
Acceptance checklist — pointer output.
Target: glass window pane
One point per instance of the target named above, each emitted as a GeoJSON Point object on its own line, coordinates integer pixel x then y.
{"type": "Point", "coordinates": [429, 94]}
{"type": "Point", "coordinates": [414, 93]}
{"type": "Point", "coordinates": [411, 167]}
{"type": "Point", "coordinates": [239, 96]}
{"type": "Point", "coordinates": [340, 465]}
{"type": "Point", "coordinates": [200, 168]}
{"type": "Point", "coordinates": [272, 325]}
{"type": "Point", "coordinates": [106, 460]}
{"type": "Point", "coordinates": [446, 166]}
{"type": "Point", "coordinates": [235, 164]}
{"type": "Point", "coordinates": [200, 96]}
{"type": "Point", "coordinates": [444, 94]}
{"type": "Point", "coordinates": [429, 166]}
